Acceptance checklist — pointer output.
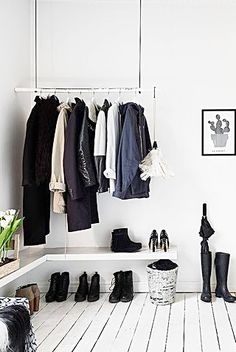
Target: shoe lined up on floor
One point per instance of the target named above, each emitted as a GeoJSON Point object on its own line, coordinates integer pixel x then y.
{"type": "Point", "coordinates": [121, 242]}
{"type": "Point", "coordinates": [58, 289]}
{"type": "Point", "coordinates": [123, 288]}
{"type": "Point", "coordinates": [32, 293]}
{"type": "Point", "coordinates": [93, 293]}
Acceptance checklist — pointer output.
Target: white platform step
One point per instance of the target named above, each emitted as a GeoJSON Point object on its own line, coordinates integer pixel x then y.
{"type": "Point", "coordinates": [31, 258]}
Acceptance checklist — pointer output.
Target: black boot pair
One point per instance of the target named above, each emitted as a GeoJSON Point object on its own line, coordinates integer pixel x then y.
{"type": "Point", "coordinates": [123, 290]}
{"type": "Point", "coordinates": [83, 291]}
{"type": "Point", "coordinates": [221, 267]}
{"type": "Point", "coordinates": [121, 242]}
{"type": "Point", "coordinates": [58, 289]}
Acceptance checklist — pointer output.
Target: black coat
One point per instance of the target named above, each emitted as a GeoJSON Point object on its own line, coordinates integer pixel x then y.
{"type": "Point", "coordinates": [134, 145]}
{"type": "Point", "coordinates": [37, 170]}
{"type": "Point", "coordinates": [81, 200]}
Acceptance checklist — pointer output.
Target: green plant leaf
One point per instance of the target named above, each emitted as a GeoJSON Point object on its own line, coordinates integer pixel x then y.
{"type": "Point", "coordinates": [7, 233]}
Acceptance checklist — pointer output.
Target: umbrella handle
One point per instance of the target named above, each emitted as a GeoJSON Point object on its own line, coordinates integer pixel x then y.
{"type": "Point", "coordinates": [204, 209]}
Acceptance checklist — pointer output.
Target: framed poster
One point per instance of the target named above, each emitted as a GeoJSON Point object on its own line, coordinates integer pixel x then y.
{"type": "Point", "coordinates": [218, 132]}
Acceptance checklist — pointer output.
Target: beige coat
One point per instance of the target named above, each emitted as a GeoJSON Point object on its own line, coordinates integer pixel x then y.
{"type": "Point", "coordinates": [57, 184]}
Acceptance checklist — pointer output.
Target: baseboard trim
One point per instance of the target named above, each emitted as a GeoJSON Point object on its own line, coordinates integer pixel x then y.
{"type": "Point", "coordinates": [139, 286]}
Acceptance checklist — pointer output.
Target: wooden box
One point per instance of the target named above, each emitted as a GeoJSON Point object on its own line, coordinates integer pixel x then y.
{"type": "Point", "coordinates": [8, 268]}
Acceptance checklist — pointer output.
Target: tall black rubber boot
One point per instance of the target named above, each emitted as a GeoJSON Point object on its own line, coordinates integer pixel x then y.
{"type": "Point", "coordinates": [206, 264]}
{"type": "Point", "coordinates": [222, 267]}
{"type": "Point", "coordinates": [122, 243]}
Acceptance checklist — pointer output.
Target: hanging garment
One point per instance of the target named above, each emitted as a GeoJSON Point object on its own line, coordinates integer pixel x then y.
{"type": "Point", "coordinates": [57, 184]}
{"type": "Point", "coordinates": [30, 144]}
{"type": "Point", "coordinates": [47, 121]}
{"type": "Point", "coordinates": [81, 200]}
{"type": "Point", "coordinates": [100, 146]}
{"type": "Point", "coordinates": [93, 109]}
{"type": "Point", "coordinates": [36, 194]}
{"type": "Point", "coordinates": [113, 140]}
{"type": "Point", "coordinates": [134, 145]}
{"type": "Point", "coordinates": [36, 212]}
{"type": "Point", "coordinates": [86, 145]}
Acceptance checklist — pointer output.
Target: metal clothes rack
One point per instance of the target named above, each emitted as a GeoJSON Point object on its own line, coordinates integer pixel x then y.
{"type": "Point", "coordinates": [86, 90]}
{"type": "Point", "coordinates": [72, 90]}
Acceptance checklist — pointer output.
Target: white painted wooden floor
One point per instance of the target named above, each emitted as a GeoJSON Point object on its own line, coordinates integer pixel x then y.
{"type": "Point", "coordinates": [188, 325]}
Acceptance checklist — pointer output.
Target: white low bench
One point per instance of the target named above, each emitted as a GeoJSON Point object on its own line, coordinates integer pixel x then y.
{"type": "Point", "coordinates": [32, 258]}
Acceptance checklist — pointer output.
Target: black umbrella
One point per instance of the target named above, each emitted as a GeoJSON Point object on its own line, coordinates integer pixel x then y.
{"type": "Point", "coordinates": [206, 231]}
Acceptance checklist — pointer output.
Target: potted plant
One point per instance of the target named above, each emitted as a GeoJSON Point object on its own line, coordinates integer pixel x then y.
{"type": "Point", "coordinates": [220, 136]}
{"type": "Point", "coordinates": [9, 224]}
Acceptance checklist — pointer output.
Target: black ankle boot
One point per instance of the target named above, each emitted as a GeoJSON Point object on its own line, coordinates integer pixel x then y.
{"type": "Point", "coordinates": [206, 263]}
{"type": "Point", "coordinates": [116, 293]}
{"type": "Point", "coordinates": [82, 290]}
{"type": "Point", "coordinates": [122, 243]}
{"type": "Point", "coordinates": [53, 288]}
{"type": "Point", "coordinates": [63, 287]}
{"type": "Point", "coordinates": [222, 267]}
{"type": "Point", "coordinates": [94, 290]}
{"type": "Point", "coordinates": [127, 292]}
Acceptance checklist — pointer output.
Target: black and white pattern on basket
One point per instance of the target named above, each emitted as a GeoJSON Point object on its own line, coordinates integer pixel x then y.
{"type": "Point", "coordinates": [30, 341]}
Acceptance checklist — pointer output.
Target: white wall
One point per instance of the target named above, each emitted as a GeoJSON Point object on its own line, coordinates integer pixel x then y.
{"type": "Point", "coordinates": [189, 51]}
{"type": "Point", "coordinates": [15, 70]}
{"type": "Point", "coordinates": [15, 63]}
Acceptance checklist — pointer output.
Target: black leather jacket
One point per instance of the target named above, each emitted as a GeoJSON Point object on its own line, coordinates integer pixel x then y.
{"type": "Point", "coordinates": [85, 151]}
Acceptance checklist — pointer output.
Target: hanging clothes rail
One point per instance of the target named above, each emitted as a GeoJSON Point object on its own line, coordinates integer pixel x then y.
{"type": "Point", "coordinates": [84, 90]}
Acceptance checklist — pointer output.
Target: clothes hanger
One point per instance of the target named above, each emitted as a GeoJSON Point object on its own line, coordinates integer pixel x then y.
{"type": "Point", "coordinates": [68, 100]}
{"type": "Point", "coordinates": [136, 97]}
{"type": "Point", "coordinates": [93, 100]}
{"type": "Point", "coordinates": [93, 108]}
{"type": "Point", "coordinates": [119, 100]}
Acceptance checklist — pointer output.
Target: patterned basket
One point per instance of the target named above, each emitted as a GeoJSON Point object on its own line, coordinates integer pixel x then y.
{"type": "Point", "coordinates": [162, 285]}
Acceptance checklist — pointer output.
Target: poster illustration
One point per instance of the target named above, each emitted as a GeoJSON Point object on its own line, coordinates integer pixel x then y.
{"type": "Point", "coordinates": [218, 132]}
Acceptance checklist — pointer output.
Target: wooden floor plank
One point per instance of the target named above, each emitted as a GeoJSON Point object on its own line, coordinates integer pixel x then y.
{"type": "Point", "coordinates": [192, 334]}
{"type": "Point", "coordinates": [89, 339]}
{"type": "Point", "coordinates": [175, 337]}
{"type": "Point", "coordinates": [144, 325]}
{"type": "Point", "coordinates": [225, 333]}
{"type": "Point", "coordinates": [54, 319]}
{"type": "Point", "coordinates": [81, 325]}
{"type": "Point", "coordinates": [208, 330]}
{"type": "Point", "coordinates": [46, 312]}
{"type": "Point", "coordinates": [108, 335]}
{"type": "Point", "coordinates": [188, 325]}
{"type": "Point", "coordinates": [58, 334]}
{"type": "Point", "coordinates": [231, 311]}
{"type": "Point", "coordinates": [159, 328]}
{"type": "Point", "coordinates": [125, 334]}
